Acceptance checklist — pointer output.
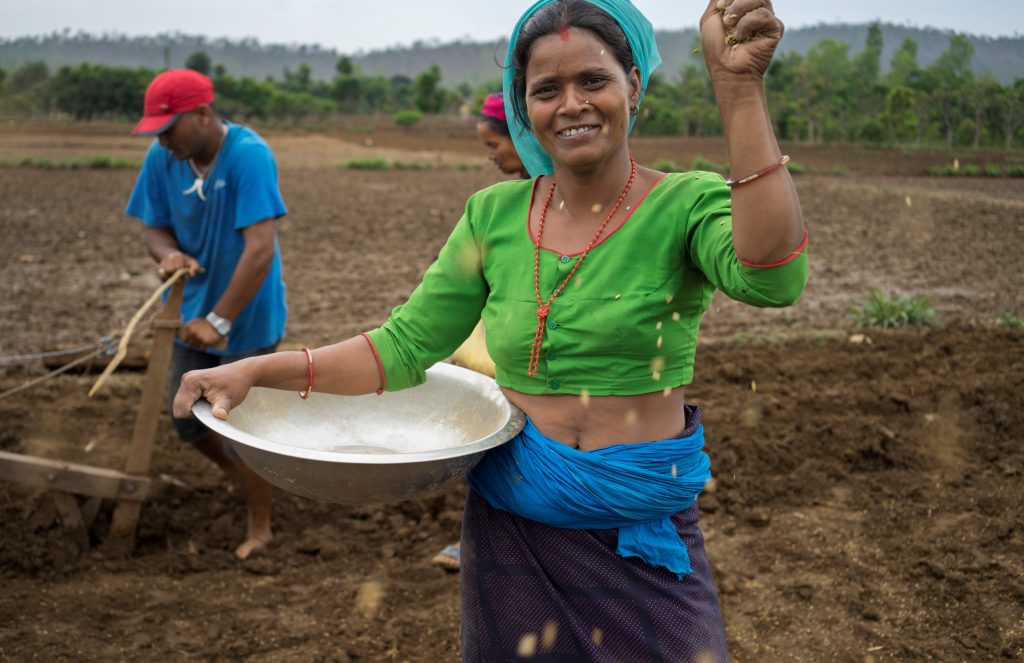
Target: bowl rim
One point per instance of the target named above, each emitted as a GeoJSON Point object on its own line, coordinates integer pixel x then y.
{"type": "Point", "coordinates": [514, 423]}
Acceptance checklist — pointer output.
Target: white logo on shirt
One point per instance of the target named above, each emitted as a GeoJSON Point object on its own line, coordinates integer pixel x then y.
{"type": "Point", "coordinates": [219, 184]}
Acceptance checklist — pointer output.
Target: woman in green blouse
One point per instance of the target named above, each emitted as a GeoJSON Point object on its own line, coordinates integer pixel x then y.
{"type": "Point", "coordinates": [582, 533]}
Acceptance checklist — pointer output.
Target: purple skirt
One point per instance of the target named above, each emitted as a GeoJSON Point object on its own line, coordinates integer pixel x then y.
{"type": "Point", "coordinates": [535, 592]}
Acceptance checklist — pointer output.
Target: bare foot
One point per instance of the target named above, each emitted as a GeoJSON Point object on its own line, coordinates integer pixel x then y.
{"type": "Point", "coordinates": [251, 545]}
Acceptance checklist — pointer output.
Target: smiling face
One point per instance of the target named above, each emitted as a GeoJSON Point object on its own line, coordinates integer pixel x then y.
{"type": "Point", "coordinates": [500, 149]}
{"type": "Point", "coordinates": [578, 98]}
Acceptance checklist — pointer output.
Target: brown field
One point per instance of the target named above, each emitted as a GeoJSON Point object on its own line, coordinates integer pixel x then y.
{"type": "Point", "coordinates": [868, 502]}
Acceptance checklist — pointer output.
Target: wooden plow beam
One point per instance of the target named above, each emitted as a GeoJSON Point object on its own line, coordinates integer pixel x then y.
{"type": "Point", "coordinates": [128, 488]}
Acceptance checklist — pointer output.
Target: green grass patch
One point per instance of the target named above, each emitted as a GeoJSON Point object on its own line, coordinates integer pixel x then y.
{"type": "Point", "coordinates": [377, 163]}
{"type": "Point", "coordinates": [942, 171]}
{"type": "Point", "coordinates": [700, 163]}
{"type": "Point", "coordinates": [408, 118]}
{"type": "Point", "coordinates": [893, 311]}
{"type": "Point", "coordinates": [667, 166]}
{"type": "Point", "coordinates": [1010, 321]}
{"type": "Point", "coordinates": [411, 165]}
{"type": "Point", "coordinates": [839, 170]}
{"type": "Point", "coordinates": [1016, 171]}
{"type": "Point", "coordinates": [104, 162]}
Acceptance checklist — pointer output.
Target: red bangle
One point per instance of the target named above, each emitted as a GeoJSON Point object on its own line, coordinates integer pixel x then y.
{"type": "Point", "coordinates": [782, 161]}
{"type": "Point", "coordinates": [309, 368]}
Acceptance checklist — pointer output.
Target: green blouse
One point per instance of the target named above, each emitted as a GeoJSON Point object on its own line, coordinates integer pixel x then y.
{"type": "Point", "coordinates": [627, 321]}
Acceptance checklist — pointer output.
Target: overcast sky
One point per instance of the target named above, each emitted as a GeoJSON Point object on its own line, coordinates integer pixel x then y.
{"type": "Point", "coordinates": [372, 24]}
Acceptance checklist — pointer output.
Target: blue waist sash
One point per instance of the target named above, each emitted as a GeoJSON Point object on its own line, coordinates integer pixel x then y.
{"type": "Point", "coordinates": [633, 487]}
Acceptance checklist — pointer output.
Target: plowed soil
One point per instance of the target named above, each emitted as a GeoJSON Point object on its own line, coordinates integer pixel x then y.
{"type": "Point", "coordinates": [869, 484]}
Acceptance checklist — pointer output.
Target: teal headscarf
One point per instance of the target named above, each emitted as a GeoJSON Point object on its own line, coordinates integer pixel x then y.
{"type": "Point", "coordinates": [640, 34]}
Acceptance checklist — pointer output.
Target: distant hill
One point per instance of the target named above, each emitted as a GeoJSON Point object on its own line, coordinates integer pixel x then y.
{"type": "Point", "coordinates": [461, 61]}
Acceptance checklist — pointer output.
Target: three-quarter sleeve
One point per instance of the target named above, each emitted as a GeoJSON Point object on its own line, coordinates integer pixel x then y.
{"type": "Point", "coordinates": [710, 245]}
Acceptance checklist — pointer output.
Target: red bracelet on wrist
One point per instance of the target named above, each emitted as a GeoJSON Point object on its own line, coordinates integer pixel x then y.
{"type": "Point", "coordinates": [782, 161]}
{"type": "Point", "coordinates": [309, 369]}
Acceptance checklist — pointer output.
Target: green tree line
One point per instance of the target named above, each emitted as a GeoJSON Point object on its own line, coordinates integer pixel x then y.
{"type": "Point", "coordinates": [826, 95]}
{"type": "Point", "coordinates": [88, 91]}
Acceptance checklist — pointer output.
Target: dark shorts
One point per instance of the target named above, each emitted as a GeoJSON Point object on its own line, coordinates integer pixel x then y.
{"type": "Point", "coordinates": [185, 359]}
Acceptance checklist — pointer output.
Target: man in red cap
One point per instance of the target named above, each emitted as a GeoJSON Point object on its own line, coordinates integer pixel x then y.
{"type": "Point", "coordinates": [209, 199]}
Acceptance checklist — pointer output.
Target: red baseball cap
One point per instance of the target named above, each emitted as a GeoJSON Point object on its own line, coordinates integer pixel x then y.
{"type": "Point", "coordinates": [171, 93]}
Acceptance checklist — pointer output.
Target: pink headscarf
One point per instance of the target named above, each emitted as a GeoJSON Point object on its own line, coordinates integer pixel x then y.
{"type": "Point", "coordinates": [494, 106]}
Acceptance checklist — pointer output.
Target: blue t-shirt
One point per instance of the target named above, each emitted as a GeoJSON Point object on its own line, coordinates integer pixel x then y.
{"type": "Point", "coordinates": [241, 190]}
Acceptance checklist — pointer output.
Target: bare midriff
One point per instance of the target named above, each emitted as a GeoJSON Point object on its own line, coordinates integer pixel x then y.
{"type": "Point", "coordinates": [595, 422]}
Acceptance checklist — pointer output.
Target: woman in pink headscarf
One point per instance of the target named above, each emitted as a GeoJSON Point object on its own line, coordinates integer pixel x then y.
{"type": "Point", "coordinates": [493, 131]}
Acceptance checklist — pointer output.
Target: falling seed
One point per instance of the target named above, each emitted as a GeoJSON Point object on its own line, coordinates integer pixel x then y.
{"type": "Point", "coordinates": [658, 326]}
{"type": "Point", "coordinates": [597, 635]}
{"type": "Point", "coordinates": [631, 417]}
{"type": "Point", "coordinates": [753, 385]}
{"type": "Point", "coordinates": [721, 223]}
{"type": "Point", "coordinates": [675, 316]}
{"type": "Point", "coordinates": [596, 209]}
{"type": "Point", "coordinates": [668, 299]}
{"type": "Point", "coordinates": [548, 636]}
{"type": "Point", "coordinates": [667, 392]}
{"type": "Point", "coordinates": [910, 203]}
{"type": "Point", "coordinates": [527, 645]}
{"type": "Point", "coordinates": [89, 447]}
{"type": "Point", "coordinates": [585, 397]}
{"type": "Point", "coordinates": [602, 51]}
{"type": "Point", "coordinates": [674, 472]}
{"type": "Point", "coordinates": [750, 417]}
{"type": "Point", "coordinates": [369, 597]}
{"type": "Point", "coordinates": [618, 296]}
{"type": "Point", "coordinates": [660, 339]}
{"type": "Point", "coordinates": [561, 205]}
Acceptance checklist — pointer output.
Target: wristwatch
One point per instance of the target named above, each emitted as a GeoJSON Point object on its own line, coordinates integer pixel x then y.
{"type": "Point", "coordinates": [221, 325]}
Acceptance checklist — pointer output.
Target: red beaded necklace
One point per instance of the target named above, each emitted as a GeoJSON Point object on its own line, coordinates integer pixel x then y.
{"type": "Point", "coordinates": [542, 307]}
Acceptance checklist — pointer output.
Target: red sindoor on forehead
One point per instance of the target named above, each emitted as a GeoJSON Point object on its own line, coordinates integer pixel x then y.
{"type": "Point", "coordinates": [564, 32]}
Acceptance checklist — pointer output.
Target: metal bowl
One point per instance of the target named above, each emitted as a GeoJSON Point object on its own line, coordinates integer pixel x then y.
{"type": "Point", "coordinates": [370, 449]}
